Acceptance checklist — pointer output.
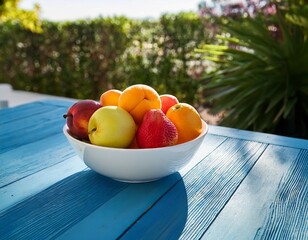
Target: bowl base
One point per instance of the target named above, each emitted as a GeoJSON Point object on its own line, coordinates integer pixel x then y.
{"type": "Point", "coordinates": [136, 181]}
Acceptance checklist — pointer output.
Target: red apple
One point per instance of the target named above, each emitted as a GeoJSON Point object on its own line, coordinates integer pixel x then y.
{"type": "Point", "coordinates": [167, 101]}
{"type": "Point", "coordinates": [78, 115]}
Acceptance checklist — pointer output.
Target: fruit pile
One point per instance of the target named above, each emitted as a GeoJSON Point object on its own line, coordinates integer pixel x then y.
{"type": "Point", "coordinates": [137, 117]}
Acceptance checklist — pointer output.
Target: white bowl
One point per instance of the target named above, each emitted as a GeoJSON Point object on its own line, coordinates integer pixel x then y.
{"type": "Point", "coordinates": [136, 165]}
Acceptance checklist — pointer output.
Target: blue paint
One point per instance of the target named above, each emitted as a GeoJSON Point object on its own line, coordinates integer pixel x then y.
{"type": "Point", "coordinates": [27, 160]}
{"type": "Point", "coordinates": [166, 219]}
{"type": "Point", "coordinates": [31, 129]}
{"type": "Point", "coordinates": [283, 221]}
{"type": "Point", "coordinates": [115, 216]}
{"type": "Point", "coordinates": [59, 207]}
{"type": "Point", "coordinates": [57, 198]}
{"type": "Point", "coordinates": [260, 137]}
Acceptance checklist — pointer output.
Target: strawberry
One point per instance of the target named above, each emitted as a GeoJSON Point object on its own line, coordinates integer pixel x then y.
{"type": "Point", "coordinates": [156, 130]}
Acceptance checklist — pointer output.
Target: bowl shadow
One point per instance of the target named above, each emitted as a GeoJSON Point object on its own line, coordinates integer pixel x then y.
{"type": "Point", "coordinates": [166, 218]}
{"type": "Point", "coordinates": [70, 203]}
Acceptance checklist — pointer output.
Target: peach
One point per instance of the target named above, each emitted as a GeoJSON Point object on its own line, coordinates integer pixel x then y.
{"type": "Point", "coordinates": [110, 97]}
{"type": "Point", "coordinates": [138, 99]}
{"type": "Point", "coordinates": [167, 101]}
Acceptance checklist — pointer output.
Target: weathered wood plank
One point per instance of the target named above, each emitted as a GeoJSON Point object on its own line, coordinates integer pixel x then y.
{"type": "Point", "coordinates": [214, 190]}
{"type": "Point", "coordinates": [25, 124]}
{"type": "Point", "coordinates": [114, 217]}
{"type": "Point", "coordinates": [288, 213]}
{"type": "Point", "coordinates": [30, 185]}
{"type": "Point", "coordinates": [271, 203]}
{"type": "Point", "coordinates": [215, 180]}
{"type": "Point", "coordinates": [31, 109]}
{"type": "Point", "coordinates": [23, 111]}
{"type": "Point", "coordinates": [209, 186]}
{"type": "Point", "coordinates": [166, 218]}
{"type": "Point", "coordinates": [60, 201]}
{"type": "Point", "coordinates": [259, 137]}
{"type": "Point", "coordinates": [31, 134]}
{"type": "Point", "coordinates": [60, 206]}
{"type": "Point", "coordinates": [30, 158]}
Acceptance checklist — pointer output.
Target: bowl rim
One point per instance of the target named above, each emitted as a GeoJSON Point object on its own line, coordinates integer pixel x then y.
{"type": "Point", "coordinates": [205, 128]}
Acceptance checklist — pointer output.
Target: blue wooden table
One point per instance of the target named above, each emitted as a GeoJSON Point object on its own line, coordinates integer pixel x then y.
{"type": "Point", "coordinates": [240, 185]}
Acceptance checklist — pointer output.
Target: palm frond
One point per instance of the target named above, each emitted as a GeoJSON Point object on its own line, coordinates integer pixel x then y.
{"type": "Point", "coordinates": [262, 74]}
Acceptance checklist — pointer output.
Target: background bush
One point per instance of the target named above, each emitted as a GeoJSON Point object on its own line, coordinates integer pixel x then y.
{"type": "Point", "coordinates": [257, 75]}
{"type": "Point", "coordinates": [261, 81]}
{"type": "Point", "coordinates": [84, 58]}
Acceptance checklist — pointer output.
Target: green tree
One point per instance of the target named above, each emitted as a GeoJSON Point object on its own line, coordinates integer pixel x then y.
{"type": "Point", "coordinates": [29, 19]}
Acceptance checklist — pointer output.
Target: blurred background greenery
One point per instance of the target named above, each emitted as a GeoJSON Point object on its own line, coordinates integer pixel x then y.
{"type": "Point", "coordinates": [247, 60]}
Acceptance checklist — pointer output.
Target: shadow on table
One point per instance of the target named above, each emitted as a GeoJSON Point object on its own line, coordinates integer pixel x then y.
{"type": "Point", "coordinates": [69, 202]}
{"type": "Point", "coordinates": [167, 217]}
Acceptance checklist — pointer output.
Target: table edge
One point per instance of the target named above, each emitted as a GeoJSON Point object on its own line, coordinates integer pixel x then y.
{"type": "Point", "coordinates": [259, 137]}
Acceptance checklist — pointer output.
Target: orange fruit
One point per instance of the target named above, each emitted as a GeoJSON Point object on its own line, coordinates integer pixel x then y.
{"type": "Point", "coordinates": [187, 121]}
{"type": "Point", "coordinates": [110, 97]}
{"type": "Point", "coordinates": [138, 99]}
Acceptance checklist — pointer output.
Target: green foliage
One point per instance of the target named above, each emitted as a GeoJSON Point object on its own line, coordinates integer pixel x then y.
{"type": "Point", "coordinates": [82, 59]}
{"type": "Point", "coordinates": [71, 59]}
{"type": "Point", "coordinates": [262, 78]}
{"type": "Point", "coordinates": [11, 13]}
{"type": "Point", "coordinates": [162, 55]}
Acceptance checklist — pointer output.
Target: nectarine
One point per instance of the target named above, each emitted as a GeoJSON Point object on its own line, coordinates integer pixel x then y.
{"type": "Point", "coordinates": [138, 99]}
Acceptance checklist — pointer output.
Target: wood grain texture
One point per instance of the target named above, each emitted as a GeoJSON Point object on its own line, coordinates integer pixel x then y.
{"type": "Point", "coordinates": [30, 130]}
{"type": "Point", "coordinates": [26, 124]}
{"type": "Point", "coordinates": [118, 214]}
{"type": "Point", "coordinates": [52, 211]}
{"type": "Point", "coordinates": [208, 187]}
{"type": "Point", "coordinates": [271, 203]}
{"type": "Point", "coordinates": [214, 181]}
{"type": "Point", "coordinates": [71, 199]}
{"type": "Point", "coordinates": [21, 189]}
{"type": "Point", "coordinates": [113, 218]}
{"type": "Point", "coordinates": [259, 137]}
{"type": "Point", "coordinates": [33, 157]}
{"type": "Point", "coordinates": [288, 213]}
{"type": "Point", "coordinates": [8, 115]}
{"type": "Point", "coordinates": [240, 185]}
{"type": "Point", "coordinates": [32, 140]}
{"type": "Point", "coordinates": [166, 219]}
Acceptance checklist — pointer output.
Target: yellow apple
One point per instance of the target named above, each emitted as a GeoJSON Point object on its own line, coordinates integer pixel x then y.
{"type": "Point", "coordinates": [111, 126]}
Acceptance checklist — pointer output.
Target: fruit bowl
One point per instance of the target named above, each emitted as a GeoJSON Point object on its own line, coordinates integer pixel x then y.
{"type": "Point", "coordinates": [136, 165]}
